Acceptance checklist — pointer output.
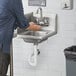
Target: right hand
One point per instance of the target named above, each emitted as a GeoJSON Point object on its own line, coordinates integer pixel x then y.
{"type": "Point", "coordinates": [34, 27]}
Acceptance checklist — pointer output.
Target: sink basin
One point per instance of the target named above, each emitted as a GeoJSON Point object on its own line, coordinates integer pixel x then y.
{"type": "Point", "coordinates": [33, 36]}
{"type": "Point", "coordinates": [36, 34]}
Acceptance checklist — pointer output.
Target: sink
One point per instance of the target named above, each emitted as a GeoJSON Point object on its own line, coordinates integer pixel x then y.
{"type": "Point", "coordinates": [48, 24]}
{"type": "Point", "coordinates": [33, 36]}
{"type": "Point", "coordinates": [49, 29]}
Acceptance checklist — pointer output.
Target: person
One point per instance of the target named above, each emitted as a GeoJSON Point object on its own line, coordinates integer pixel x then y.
{"type": "Point", "coordinates": [11, 17]}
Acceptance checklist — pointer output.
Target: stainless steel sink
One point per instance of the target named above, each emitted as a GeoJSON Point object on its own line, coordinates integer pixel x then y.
{"type": "Point", "coordinates": [49, 29]}
{"type": "Point", "coordinates": [33, 36]}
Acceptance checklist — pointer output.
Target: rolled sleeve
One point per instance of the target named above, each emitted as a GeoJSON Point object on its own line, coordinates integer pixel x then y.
{"type": "Point", "coordinates": [21, 21]}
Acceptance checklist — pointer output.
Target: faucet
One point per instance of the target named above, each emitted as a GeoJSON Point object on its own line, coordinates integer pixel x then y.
{"type": "Point", "coordinates": [40, 12]}
{"type": "Point", "coordinates": [44, 21]}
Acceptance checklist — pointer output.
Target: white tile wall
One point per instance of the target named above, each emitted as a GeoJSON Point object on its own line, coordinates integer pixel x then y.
{"type": "Point", "coordinates": [51, 61]}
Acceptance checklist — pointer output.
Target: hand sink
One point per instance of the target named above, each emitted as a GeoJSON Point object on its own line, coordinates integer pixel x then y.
{"type": "Point", "coordinates": [48, 29]}
{"type": "Point", "coordinates": [33, 36]}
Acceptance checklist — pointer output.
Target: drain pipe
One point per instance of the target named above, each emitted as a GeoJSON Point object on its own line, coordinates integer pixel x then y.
{"type": "Point", "coordinates": [33, 57]}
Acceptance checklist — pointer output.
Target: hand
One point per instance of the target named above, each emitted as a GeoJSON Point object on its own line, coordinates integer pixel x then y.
{"type": "Point", "coordinates": [34, 27]}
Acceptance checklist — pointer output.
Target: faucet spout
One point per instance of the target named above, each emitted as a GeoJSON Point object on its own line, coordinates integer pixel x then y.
{"type": "Point", "coordinates": [40, 12]}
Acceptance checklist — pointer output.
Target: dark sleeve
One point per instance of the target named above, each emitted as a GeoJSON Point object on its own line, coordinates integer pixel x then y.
{"type": "Point", "coordinates": [19, 14]}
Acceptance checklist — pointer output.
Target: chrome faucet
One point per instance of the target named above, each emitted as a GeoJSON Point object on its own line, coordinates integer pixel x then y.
{"type": "Point", "coordinates": [43, 21]}
{"type": "Point", "coordinates": [40, 12]}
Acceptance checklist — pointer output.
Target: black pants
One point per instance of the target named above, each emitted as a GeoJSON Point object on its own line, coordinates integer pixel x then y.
{"type": "Point", "coordinates": [4, 62]}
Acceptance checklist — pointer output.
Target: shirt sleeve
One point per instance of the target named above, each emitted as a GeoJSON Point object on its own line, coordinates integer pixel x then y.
{"type": "Point", "coordinates": [19, 13]}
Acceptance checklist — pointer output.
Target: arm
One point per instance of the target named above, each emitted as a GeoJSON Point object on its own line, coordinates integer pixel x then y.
{"type": "Point", "coordinates": [21, 20]}
{"type": "Point", "coordinates": [19, 13]}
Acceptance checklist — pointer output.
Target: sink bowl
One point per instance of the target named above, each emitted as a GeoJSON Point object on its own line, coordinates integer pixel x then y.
{"type": "Point", "coordinates": [37, 34]}
{"type": "Point", "coordinates": [33, 36]}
